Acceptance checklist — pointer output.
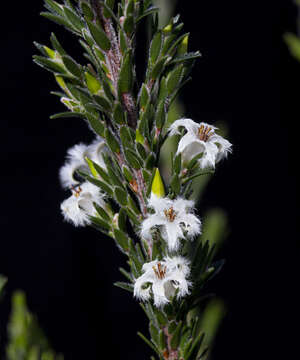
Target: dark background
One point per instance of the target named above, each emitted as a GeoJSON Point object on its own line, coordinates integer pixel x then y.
{"type": "Point", "coordinates": [246, 78]}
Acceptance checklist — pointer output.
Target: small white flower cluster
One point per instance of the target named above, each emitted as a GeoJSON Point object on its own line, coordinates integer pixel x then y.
{"type": "Point", "coordinates": [78, 208]}
{"type": "Point", "coordinates": [161, 279]}
{"type": "Point", "coordinates": [175, 218]}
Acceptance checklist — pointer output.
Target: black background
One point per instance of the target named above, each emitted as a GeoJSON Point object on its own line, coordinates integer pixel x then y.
{"type": "Point", "coordinates": [247, 78]}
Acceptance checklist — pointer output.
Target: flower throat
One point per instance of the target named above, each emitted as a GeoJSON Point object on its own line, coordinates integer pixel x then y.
{"type": "Point", "coordinates": [204, 133]}
{"type": "Point", "coordinates": [170, 214]}
{"type": "Point", "coordinates": [160, 271]}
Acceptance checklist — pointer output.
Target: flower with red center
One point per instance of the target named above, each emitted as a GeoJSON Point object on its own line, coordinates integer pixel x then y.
{"type": "Point", "coordinates": [174, 219]}
{"type": "Point", "coordinates": [78, 208]}
{"type": "Point", "coordinates": [162, 279]}
{"type": "Point", "coordinates": [200, 139]}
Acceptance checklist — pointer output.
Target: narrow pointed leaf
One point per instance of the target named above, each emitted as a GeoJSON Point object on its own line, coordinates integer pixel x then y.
{"type": "Point", "coordinates": [122, 239]}
{"type": "Point", "coordinates": [124, 286]}
{"type": "Point", "coordinates": [72, 66]}
{"type": "Point", "coordinates": [99, 36]}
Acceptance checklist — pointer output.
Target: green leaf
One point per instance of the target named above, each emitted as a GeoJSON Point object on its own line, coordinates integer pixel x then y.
{"type": "Point", "coordinates": [161, 317]}
{"type": "Point", "coordinates": [174, 79]}
{"type": "Point", "coordinates": [139, 262]}
{"type": "Point", "coordinates": [146, 119]}
{"type": "Point", "coordinates": [200, 173]}
{"type": "Point", "coordinates": [92, 83]}
{"type": "Point", "coordinates": [103, 103]}
{"type": "Point", "coordinates": [121, 196]}
{"type": "Point", "coordinates": [56, 45]}
{"type": "Point", "coordinates": [177, 164]}
{"type": "Point", "coordinates": [154, 332]}
{"type": "Point", "coordinates": [49, 64]}
{"type": "Point", "coordinates": [150, 314]}
{"type": "Point", "coordinates": [186, 57]}
{"type": "Point", "coordinates": [161, 115]}
{"type": "Point", "coordinates": [107, 90]}
{"type": "Point", "coordinates": [90, 42]}
{"type": "Point", "coordinates": [144, 96]}
{"type": "Point", "coordinates": [122, 219]}
{"type": "Point", "coordinates": [54, 6]}
{"type": "Point", "coordinates": [123, 41]}
{"type": "Point", "coordinates": [175, 184]}
{"type": "Point", "coordinates": [133, 217]}
{"type": "Point", "coordinates": [130, 7]}
{"type": "Point", "coordinates": [157, 185]}
{"type": "Point", "coordinates": [183, 46]}
{"type": "Point", "coordinates": [172, 327]}
{"type": "Point", "coordinates": [141, 150]}
{"type": "Point", "coordinates": [124, 286]}
{"type": "Point", "coordinates": [151, 10]}
{"type": "Point", "coordinates": [168, 41]}
{"type": "Point", "coordinates": [126, 274]}
{"type": "Point", "coordinates": [102, 212]}
{"type": "Point", "coordinates": [155, 47]}
{"type": "Point", "coordinates": [195, 347]}
{"type": "Point", "coordinates": [99, 36]}
{"type": "Point", "coordinates": [112, 142]}
{"type": "Point", "coordinates": [122, 239]}
{"type": "Point", "coordinates": [57, 19]}
{"type": "Point", "coordinates": [176, 336]}
{"type": "Point", "coordinates": [110, 3]}
{"type": "Point", "coordinates": [87, 11]}
{"type": "Point", "coordinates": [158, 68]}
{"type": "Point", "coordinates": [74, 19]}
{"type": "Point", "coordinates": [72, 66]}
{"type": "Point", "coordinates": [127, 173]}
{"type": "Point", "coordinates": [132, 159]}
{"type": "Point", "coordinates": [162, 341]}
{"type": "Point", "coordinates": [133, 205]}
{"type": "Point", "coordinates": [150, 161]}
{"type": "Point", "coordinates": [99, 222]}
{"type": "Point", "coordinates": [96, 124]}
{"type": "Point", "coordinates": [118, 114]}
{"type": "Point", "coordinates": [126, 137]}
{"type": "Point", "coordinates": [163, 91]}
{"type": "Point", "coordinates": [101, 185]}
{"type": "Point", "coordinates": [194, 161]}
{"type": "Point", "coordinates": [179, 40]}
{"type": "Point", "coordinates": [91, 166]}
{"type": "Point", "coordinates": [114, 176]}
{"type": "Point", "coordinates": [129, 25]}
{"type": "Point", "coordinates": [41, 48]}
{"type": "Point", "coordinates": [67, 114]}
{"type": "Point", "coordinates": [149, 343]}
{"type": "Point", "coordinates": [125, 81]}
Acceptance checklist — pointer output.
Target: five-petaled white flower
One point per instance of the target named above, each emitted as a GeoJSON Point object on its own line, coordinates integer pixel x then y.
{"type": "Point", "coordinates": [163, 278]}
{"type": "Point", "coordinates": [200, 139]}
{"type": "Point", "coordinates": [174, 217]}
{"type": "Point", "coordinates": [78, 208]}
{"type": "Point", "coordinates": [76, 161]}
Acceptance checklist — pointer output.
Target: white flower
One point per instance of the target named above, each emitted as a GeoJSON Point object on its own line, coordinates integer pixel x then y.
{"type": "Point", "coordinates": [78, 207]}
{"type": "Point", "coordinates": [200, 139]}
{"type": "Point", "coordinates": [76, 161]}
{"type": "Point", "coordinates": [174, 217]}
{"type": "Point", "coordinates": [95, 152]}
{"type": "Point", "coordinates": [163, 278]}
